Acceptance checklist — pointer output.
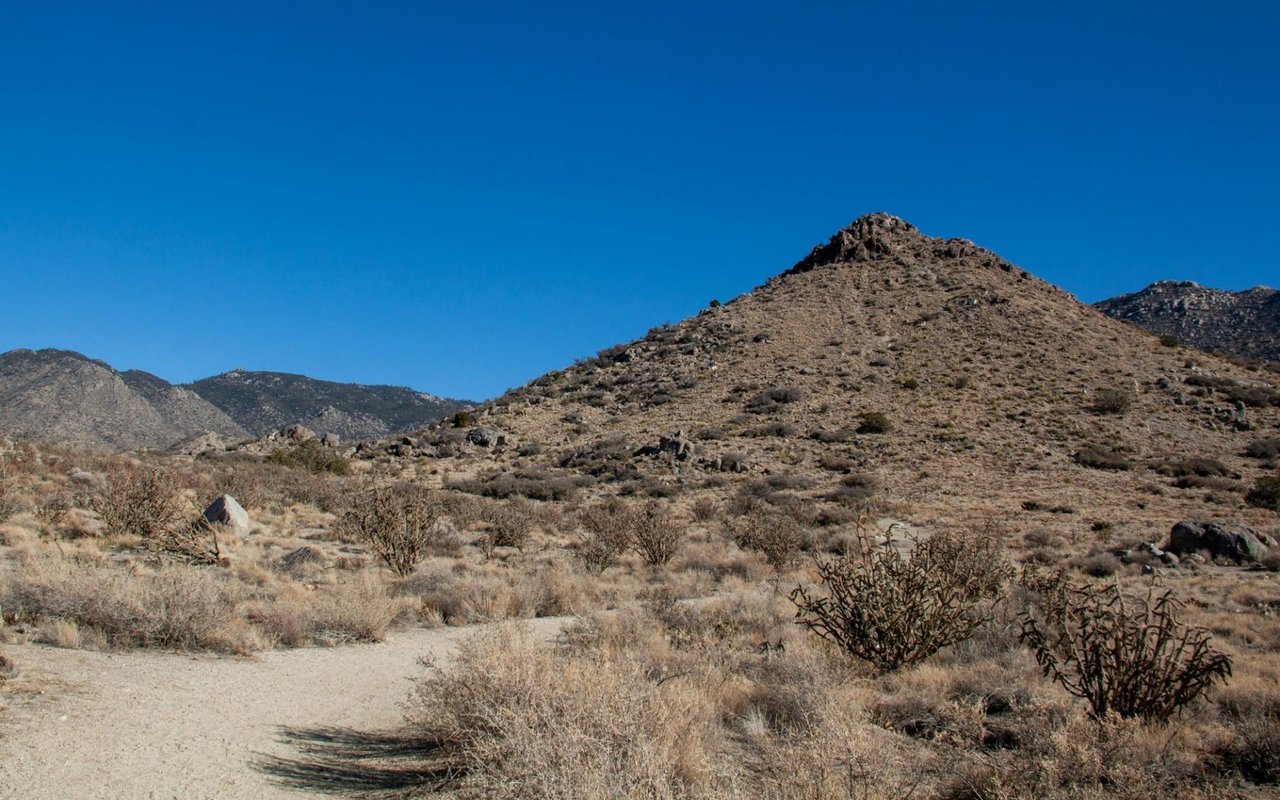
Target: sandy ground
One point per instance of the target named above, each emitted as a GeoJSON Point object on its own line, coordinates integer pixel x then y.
{"type": "Point", "coordinates": [287, 724]}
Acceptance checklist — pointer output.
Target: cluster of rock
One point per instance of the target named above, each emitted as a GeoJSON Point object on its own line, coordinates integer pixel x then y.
{"type": "Point", "coordinates": [1198, 542]}
{"type": "Point", "coordinates": [437, 441]}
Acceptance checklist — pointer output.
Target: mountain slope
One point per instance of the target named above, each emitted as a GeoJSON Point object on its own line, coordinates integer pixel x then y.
{"type": "Point", "coordinates": [265, 401]}
{"type": "Point", "coordinates": [1236, 323]}
{"type": "Point", "coordinates": [995, 385]}
{"type": "Point", "coordinates": [64, 397]}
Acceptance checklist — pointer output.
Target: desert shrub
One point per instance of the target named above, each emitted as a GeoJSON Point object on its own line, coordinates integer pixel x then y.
{"type": "Point", "coordinates": [1097, 565]}
{"type": "Point", "coordinates": [1265, 493]}
{"type": "Point", "coordinates": [138, 502]}
{"type": "Point", "coordinates": [515, 719]}
{"type": "Point", "coordinates": [400, 523]}
{"type": "Point", "coordinates": [770, 399]}
{"type": "Point", "coordinates": [1124, 654]}
{"type": "Point", "coordinates": [853, 490]}
{"type": "Point", "coordinates": [604, 534]}
{"type": "Point", "coordinates": [831, 437]}
{"type": "Point", "coordinates": [1202, 467]}
{"type": "Point", "coordinates": [1112, 401]}
{"type": "Point", "coordinates": [533, 485]}
{"type": "Point", "coordinates": [1263, 449]}
{"type": "Point", "coordinates": [704, 509]}
{"type": "Point", "coordinates": [1169, 340]}
{"type": "Point", "coordinates": [781, 430]}
{"type": "Point", "coordinates": [1098, 458]}
{"type": "Point", "coordinates": [311, 456]}
{"type": "Point", "coordinates": [1253, 748]}
{"type": "Point", "coordinates": [50, 508]}
{"type": "Point", "coordinates": [506, 524]}
{"type": "Point", "coordinates": [894, 610]}
{"type": "Point", "coordinates": [654, 533]}
{"type": "Point", "coordinates": [874, 422]}
{"type": "Point", "coordinates": [359, 610]}
{"type": "Point", "coordinates": [177, 607]}
{"type": "Point", "coordinates": [776, 536]}
{"type": "Point", "coordinates": [836, 463]}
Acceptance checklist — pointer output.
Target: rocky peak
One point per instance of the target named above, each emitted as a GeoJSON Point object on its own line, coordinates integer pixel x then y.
{"type": "Point", "coordinates": [868, 237]}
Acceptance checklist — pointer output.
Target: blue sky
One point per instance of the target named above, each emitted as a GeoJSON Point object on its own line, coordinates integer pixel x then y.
{"type": "Point", "coordinates": [461, 196]}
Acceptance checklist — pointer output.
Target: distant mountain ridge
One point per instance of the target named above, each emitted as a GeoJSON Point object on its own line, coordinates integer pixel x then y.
{"type": "Point", "coordinates": [65, 397]}
{"type": "Point", "coordinates": [265, 401]}
{"type": "Point", "coordinates": [1243, 323]}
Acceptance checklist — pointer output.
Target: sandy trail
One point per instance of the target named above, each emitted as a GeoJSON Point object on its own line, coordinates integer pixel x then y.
{"type": "Point", "coordinates": [163, 725]}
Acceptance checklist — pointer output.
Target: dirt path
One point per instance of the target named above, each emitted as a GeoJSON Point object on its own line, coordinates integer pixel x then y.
{"type": "Point", "coordinates": [160, 725]}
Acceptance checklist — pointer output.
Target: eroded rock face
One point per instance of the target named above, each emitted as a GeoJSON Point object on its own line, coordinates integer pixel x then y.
{"type": "Point", "coordinates": [226, 511]}
{"type": "Point", "coordinates": [1227, 540]}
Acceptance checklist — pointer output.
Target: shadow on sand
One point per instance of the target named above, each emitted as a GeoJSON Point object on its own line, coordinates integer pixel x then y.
{"type": "Point", "coordinates": [352, 763]}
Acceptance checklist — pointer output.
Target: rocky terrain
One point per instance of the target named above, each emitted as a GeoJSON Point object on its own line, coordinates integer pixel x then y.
{"type": "Point", "coordinates": [681, 497]}
{"type": "Point", "coordinates": [265, 401]}
{"type": "Point", "coordinates": [1245, 324]}
{"type": "Point", "coordinates": [65, 397]}
{"type": "Point", "coordinates": [957, 383]}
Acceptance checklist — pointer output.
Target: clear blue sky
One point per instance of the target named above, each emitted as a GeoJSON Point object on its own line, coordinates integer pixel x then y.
{"type": "Point", "coordinates": [459, 196]}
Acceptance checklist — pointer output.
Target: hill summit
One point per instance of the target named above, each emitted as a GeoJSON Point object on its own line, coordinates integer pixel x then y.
{"type": "Point", "coordinates": [932, 367]}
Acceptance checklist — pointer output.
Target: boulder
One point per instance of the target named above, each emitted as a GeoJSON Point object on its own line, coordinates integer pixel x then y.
{"type": "Point", "coordinates": [1228, 540]}
{"type": "Point", "coordinates": [226, 511]}
{"type": "Point", "coordinates": [298, 432]}
{"type": "Point", "coordinates": [486, 437]}
{"type": "Point", "coordinates": [331, 440]}
{"type": "Point", "coordinates": [678, 446]}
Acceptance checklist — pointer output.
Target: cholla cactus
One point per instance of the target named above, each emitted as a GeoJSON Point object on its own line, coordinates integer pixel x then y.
{"type": "Point", "coordinates": [894, 610]}
{"type": "Point", "coordinates": [1124, 654]}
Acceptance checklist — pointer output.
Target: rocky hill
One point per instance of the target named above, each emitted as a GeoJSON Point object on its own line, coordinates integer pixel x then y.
{"type": "Point", "coordinates": [64, 397]}
{"type": "Point", "coordinates": [1235, 323]}
{"type": "Point", "coordinates": [265, 401]}
{"type": "Point", "coordinates": [950, 383]}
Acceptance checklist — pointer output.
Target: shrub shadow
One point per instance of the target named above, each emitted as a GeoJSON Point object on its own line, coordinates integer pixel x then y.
{"type": "Point", "coordinates": [352, 763]}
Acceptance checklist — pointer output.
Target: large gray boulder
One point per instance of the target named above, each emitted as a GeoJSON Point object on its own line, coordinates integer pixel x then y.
{"type": "Point", "coordinates": [226, 511]}
{"type": "Point", "coordinates": [298, 432]}
{"type": "Point", "coordinates": [1227, 540]}
{"type": "Point", "coordinates": [486, 437]}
